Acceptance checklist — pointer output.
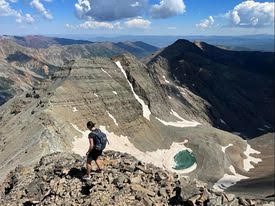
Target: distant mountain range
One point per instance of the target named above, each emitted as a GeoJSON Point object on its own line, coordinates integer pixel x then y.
{"type": "Point", "coordinates": [37, 41]}
{"type": "Point", "coordinates": [23, 60]}
{"type": "Point", "coordinates": [238, 43]}
{"type": "Point", "coordinates": [137, 48]}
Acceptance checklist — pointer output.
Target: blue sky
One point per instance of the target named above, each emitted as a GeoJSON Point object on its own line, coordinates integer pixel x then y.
{"type": "Point", "coordinates": [136, 17]}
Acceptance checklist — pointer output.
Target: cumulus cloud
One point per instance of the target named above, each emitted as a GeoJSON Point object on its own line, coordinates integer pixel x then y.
{"type": "Point", "coordinates": [40, 7]}
{"type": "Point", "coordinates": [109, 10]}
{"type": "Point", "coordinates": [167, 8]}
{"type": "Point", "coordinates": [6, 10]}
{"type": "Point", "coordinates": [29, 19]}
{"type": "Point", "coordinates": [206, 23]}
{"type": "Point", "coordinates": [252, 14]}
{"type": "Point", "coordinates": [82, 8]}
{"type": "Point", "coordinates": [137, 23]}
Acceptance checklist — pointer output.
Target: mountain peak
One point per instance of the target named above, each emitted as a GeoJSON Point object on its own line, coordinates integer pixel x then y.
{"type": "Point", "coordinates": [179, 47]}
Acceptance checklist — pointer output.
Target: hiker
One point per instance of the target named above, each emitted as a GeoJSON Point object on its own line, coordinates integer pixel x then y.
{"type": "Point", "coordinates": [97, 141]}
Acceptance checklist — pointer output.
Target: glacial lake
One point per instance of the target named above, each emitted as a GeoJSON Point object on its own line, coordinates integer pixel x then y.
{"type": "Point", "coordinates": [184, 159]}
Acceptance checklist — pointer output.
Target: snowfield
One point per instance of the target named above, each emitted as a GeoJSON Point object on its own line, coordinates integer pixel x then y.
{"type": "Point", "coordinates": [163, 158]}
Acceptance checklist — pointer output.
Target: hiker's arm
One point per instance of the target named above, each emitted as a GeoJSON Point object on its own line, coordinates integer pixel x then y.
{"type": "Point", "coordinates": [91, 141]}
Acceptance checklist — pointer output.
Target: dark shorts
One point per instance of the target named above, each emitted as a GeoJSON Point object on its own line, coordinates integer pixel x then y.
{"type": "Point", "coordinates": [93, 155]}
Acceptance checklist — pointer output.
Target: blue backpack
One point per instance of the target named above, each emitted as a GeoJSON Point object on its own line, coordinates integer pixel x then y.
{"type": "Point", "coordinates": [100, 140]}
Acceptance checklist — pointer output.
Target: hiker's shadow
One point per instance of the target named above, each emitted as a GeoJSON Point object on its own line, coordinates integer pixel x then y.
{"type": "Point", "coordinates": [77, 173]}
{"type": "Point", "coordinates": [177, 199]}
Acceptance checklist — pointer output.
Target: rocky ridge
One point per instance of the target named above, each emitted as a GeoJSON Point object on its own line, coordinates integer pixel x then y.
{"type": "Point", "coordinates": [38, 41]}
{"type": "Point", "coordinates": [57, 180]}
{"type": "Point", "coordinates": [23, 65]}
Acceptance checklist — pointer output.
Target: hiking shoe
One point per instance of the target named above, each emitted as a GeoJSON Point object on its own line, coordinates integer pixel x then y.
{"type": "Point", "coordinates": [100, 171]}
{"type": "Point", "coordinates": [86, 177]}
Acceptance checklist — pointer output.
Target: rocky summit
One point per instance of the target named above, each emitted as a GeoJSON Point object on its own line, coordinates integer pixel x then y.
{"type": "Point", "coordinates": [57, 180]}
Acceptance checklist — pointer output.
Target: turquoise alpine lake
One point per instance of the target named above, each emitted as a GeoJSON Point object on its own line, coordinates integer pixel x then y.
{"type": "Point", "coordinates": [184, 159]}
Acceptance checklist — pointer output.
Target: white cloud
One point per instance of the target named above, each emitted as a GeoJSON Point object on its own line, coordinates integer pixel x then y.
{"type": "Point", "coordinates": [40, 7]}
{"type": "Point", "coordinates": [96, 24]}
{"type": "Point", "coordinates": [252, 14]}
{"type": "Point", "coordinates": [29, 19]}
{"type": "Point", "coordinates": [82, 8]}
{"type": "Point", "coordinates": [206, 23]}
{"type": "Point", "coordinates": [92, 24]}
{"type": "Point", "coordinates": [110, 10]}
{"type": "Point", "coordinates": [6, 10]}
{"type": "Point", "coordinates": [167, 8]}
{"type": "Point", "coordinates": [70, 26]}
{"type": "Point", "coordinates": [117, 25]}
{"type": "Point", "coordinates": [138, 23]}
{"type": "Point", "coordinates": [135, 4]}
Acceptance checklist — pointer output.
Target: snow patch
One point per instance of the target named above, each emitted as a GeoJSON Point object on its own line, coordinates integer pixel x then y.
{"type": "Point", "coordinates": [75, 109]}
{"type": "Point", "coordinates": [247, 162]}
{"type": "Point", "coordinates": [145, 108]}
{"type": "Point", "coordinates": [112, 118]}
{"type": "Point", "coordinates": [181, 123]}
{"type": "Point", "coordinates": [224, 148]}
{"type": "Point", "coordinates": [81, 145]}
{"type": "Point", "coordinates": [163, 158]}
{"type": "Point", "coordinates": [106, 72]}
{"type": "Point", "coordinates": [228, 180]}
{"type": "Point", "coordinates": [165, 79]}
{"type": "Point", "coordinates": [266, 126]}
{"type": "Point", "coordinates": [176, 79]}
{"type": "Point", "coordinates": [222, 121]}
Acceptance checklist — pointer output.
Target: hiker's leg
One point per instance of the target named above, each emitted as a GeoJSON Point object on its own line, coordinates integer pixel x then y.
{"type": "Point", "coordinates": [89, 167]}
{"type": "Point", "coordinates": [98, 162]}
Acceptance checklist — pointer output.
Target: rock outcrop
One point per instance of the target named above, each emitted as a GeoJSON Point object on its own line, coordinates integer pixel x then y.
{"type": "Point", "coordinates": [57, 180]}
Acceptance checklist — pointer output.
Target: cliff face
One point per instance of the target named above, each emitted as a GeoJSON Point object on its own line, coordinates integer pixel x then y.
{"type": "Point", "coordinates": [236, 87]}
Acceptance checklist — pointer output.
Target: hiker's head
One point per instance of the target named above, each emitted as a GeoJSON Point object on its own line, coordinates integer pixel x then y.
{"type": "Point", "coordinates": [90, 125]}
